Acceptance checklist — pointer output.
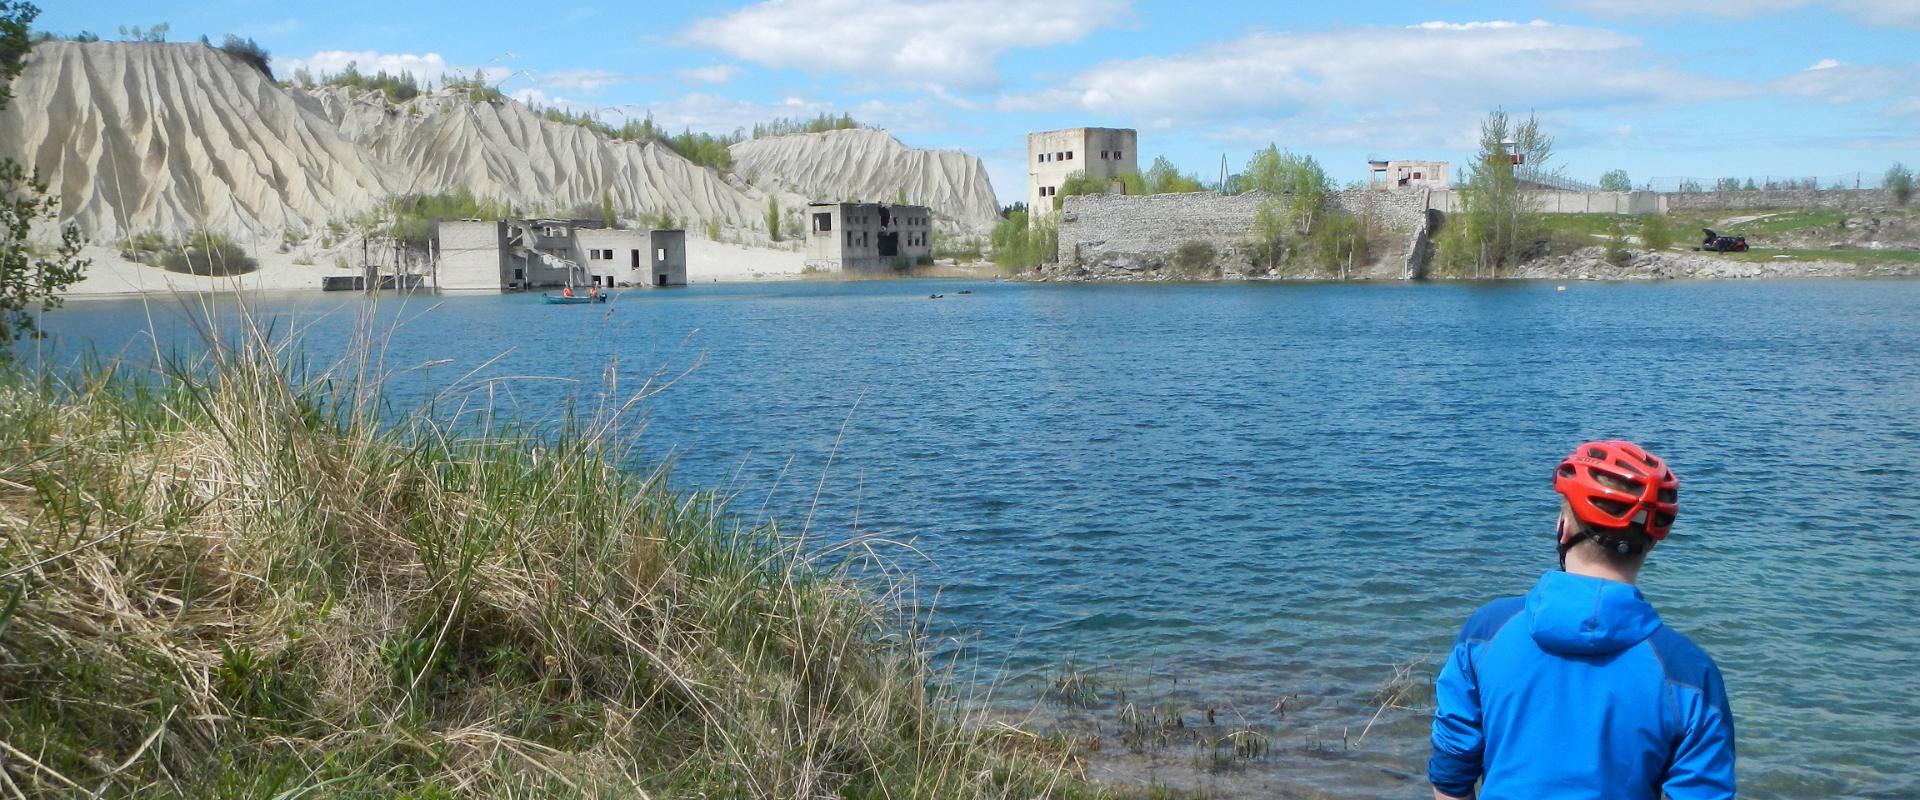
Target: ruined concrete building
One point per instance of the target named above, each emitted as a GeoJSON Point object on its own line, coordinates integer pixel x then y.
{"type": "Point", "coordinates": [520, 254]}
{"type": "Point", "coordinates": [868, 238]}
{"type": "Point", "coordinates": [1053, 156]}
{"type": "Point", "coordinates": [1406, 174]}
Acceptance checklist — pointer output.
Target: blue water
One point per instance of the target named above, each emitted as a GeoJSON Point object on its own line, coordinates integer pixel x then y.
{"type": "Point", "coordinates": [1252, 491]}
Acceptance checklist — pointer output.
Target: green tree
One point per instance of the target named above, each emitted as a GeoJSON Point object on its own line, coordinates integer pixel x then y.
{"type": "Point", "coordinates": [1899, 182]}
{"type": "Point", "coordinates": [30, 276]}
{"type": "Point", "coordinates": [1616, 180]}
{"type": "Point", "coordinates": [1165, 178]}
{"type": "Point", "coordinates": [773, 218]}
{"type": "Point", "coordinates": [607, 216]}
{"type": "Point", "coordinates": [1498, 223]}
{"type": "Point", "coordinates": [155, 34]}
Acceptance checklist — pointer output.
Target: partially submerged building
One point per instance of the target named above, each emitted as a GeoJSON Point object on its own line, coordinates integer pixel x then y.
{"type": "Point", "coordinates": [1054, 156]}
{"type": "Point", "coordinates": [1407, 174]}
{"type": "Point", "coordinates": [868, 238]}
{"type": "Point", "coordinates": [523, 254]}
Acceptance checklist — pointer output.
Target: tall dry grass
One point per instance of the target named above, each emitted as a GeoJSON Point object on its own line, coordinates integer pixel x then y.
{"type": "Point", "coordinates": [228, 579]}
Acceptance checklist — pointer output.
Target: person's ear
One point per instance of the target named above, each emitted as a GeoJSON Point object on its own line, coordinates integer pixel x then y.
{"type": "Point", "coordinates": [1560, 528]}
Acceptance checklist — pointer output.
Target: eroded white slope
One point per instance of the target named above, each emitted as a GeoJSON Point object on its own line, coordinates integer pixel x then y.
{"type": "Point", "coordinates": [870, 165]}
{"type": "Point", "coordinates": [168, 136]}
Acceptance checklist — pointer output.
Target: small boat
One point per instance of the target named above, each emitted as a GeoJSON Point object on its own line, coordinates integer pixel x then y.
{"type": "Point", "coordinates": [563, 300]}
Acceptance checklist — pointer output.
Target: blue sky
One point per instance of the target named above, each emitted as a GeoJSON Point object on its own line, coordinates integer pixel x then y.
{"type": "Point", "coordinates": [1659, 88]}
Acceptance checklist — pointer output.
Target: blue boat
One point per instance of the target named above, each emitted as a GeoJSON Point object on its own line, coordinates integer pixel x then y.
{"type": "Point", "coordinates": [563, 300]}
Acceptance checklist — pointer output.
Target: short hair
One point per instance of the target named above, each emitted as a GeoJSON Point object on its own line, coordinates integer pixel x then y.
{"type": "Point", "coordinates": [1621, 547]}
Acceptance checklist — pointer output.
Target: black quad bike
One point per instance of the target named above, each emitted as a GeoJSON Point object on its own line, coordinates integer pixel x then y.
{"type": "Point", "coordinates": [1723, 244]}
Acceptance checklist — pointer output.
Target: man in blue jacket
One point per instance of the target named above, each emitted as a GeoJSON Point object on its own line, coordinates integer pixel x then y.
{"type": "Point", "coordinates": [1576, 690]}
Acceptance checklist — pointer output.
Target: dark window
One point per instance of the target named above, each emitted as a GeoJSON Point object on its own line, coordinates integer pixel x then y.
{"type": "Point", "coordinates": [1069, 155]}
{"type": "Point", "coordinates": [823, 222]}
{"type": "Point", "coordinates": [1116, 154]}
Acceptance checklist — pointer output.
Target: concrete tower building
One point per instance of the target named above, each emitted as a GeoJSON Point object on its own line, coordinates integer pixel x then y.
{"type": "Point", "coordinates": [1054, 155]}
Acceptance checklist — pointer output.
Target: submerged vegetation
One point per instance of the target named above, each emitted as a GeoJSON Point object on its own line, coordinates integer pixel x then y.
{"type": "Point", "coordinates": [221, 582]}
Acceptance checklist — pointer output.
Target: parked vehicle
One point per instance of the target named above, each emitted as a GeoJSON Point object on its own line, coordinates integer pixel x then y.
{"type": "Point", "coordinates": [1723, 244]}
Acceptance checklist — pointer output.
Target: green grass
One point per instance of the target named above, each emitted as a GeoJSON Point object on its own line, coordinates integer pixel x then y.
{"type": "Point", "coordinates": [1774, 224]}
{"type": "Point", "coordinates": [219, 581]}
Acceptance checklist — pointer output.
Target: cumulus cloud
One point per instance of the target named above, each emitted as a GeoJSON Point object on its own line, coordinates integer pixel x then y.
{"type": "Point", "coordinates": [718, 73]}
{"type": "Point", "coordinates": [950, 43]}
{"type": "Point", "coordinates": [1433, 70]}
{"type": "Point", "coordinates": [705, 111]}
{"type": "Point", "coordinates": [428, 67]}
{"type": "Point", "coordinates": [1899, 13]}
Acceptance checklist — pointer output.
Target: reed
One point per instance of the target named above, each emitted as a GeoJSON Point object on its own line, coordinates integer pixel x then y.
{"type": "Point", "coordinates": [233, 577]}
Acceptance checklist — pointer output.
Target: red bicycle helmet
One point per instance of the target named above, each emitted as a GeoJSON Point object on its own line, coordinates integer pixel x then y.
{"type": "Point", "coordinates": [1615, 484]}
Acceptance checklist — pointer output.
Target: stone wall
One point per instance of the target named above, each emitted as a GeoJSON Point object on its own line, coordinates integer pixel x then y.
{"type": "Point", "coordinates": [1777, 198]}
{"type": "Point", "coordinates": [1555, 202]}
{"type": "Point", "coordinates": [1093, 227]}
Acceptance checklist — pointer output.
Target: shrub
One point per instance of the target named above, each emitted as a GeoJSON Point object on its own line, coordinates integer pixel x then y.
{"type": "Point", "coordinates": [713, 229]}
{"type": "Point", "coordinates": [1656, 232]}
{"type": "Point", "coordinates": [248, 52]}
{"type": "Point", "coordinates": [1616, 180]}
{"type": "Point", "coordinates": [1616, 250]}
{"type": "Point", "coordinates": [773, 218]}
{"type": "Point", "coordinates": [1899, 182]}
{"type": "Point", "coordinates": [208, 253]}
{"type": "Point", "coordinates": [1195, 260]}
{"type": "Point", "coordinates": [144, 247]}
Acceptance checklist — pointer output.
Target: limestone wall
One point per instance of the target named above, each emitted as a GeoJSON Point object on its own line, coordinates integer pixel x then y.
{"type": "Point", "coordinates": [1092, 226]}
{"type": "Point", "coordinates": [1451, 201]}
{"type": "Point", "coordinates": [1777, 198]}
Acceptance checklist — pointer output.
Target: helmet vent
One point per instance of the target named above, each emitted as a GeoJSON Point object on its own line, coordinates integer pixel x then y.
{"type": "Point", "coordinates": [1613, 507]}
{"type": "Point", "coordinates": [1566, 470]}
{"type": "Point", "coordinates": [1669, 496]}
{"type": "Point", "coordinates": [1595, 452]}
{"type": "Point", "coordinates": [1629, 466]}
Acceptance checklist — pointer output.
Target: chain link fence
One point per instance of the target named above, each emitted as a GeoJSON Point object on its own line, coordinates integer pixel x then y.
{"type": "Point", "coordinates": [1846, 181]}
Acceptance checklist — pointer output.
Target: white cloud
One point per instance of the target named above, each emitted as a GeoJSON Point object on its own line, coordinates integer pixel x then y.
{"type": "Point", "coordinates": [1825, 63]}
{"type": "Point", "coordinates": [703, 111]}
{"type": "Point", "coordinates": [718, 73]}
{"type": "Point", "coordinates": [949, 43]}
{"type": "Point", "coordinates": [1899, 13]}
{"type": "Point", "coordinates": [1844, 84]}
{"type": "Point", "coordinates": [427, 68]}
{"type": "Point", "coordinates": [1422, 85]}
{"type": "Point", "coordinates": [581, 80]}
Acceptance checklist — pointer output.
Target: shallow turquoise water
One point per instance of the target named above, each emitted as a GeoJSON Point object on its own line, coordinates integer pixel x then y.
{"type": "Point", "coordinates": [1263, 490]}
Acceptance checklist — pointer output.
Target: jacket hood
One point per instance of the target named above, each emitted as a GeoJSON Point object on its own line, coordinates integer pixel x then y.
{"type": "Point", "coordinates": [1577, 615]}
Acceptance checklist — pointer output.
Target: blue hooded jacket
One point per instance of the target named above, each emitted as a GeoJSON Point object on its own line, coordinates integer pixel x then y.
{"type": "Point", "coordinates": [1578, 691]}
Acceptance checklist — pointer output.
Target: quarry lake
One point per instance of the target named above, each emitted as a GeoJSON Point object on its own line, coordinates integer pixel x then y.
{"type": "Point", "coordinates": [1239, 495]}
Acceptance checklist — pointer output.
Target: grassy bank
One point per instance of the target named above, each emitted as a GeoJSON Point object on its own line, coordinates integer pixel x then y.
{"type": "Point", "coordinates": [216, 582]}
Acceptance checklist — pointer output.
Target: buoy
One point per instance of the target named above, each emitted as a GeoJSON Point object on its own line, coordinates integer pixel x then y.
{"type": "Point", "coordinates": [1560, 288]}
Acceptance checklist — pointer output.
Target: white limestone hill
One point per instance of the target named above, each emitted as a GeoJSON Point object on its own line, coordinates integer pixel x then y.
{"type": "Point", "coordinates": [868, 165]}
{"type": "Point", "coordinates": [167, 137]}
{"type": "Point", "coordinates": [136, 137]}
{"type": "Point", "coordinates": [504, 150]}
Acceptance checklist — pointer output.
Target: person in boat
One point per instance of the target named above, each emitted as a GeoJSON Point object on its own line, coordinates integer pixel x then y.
{"type": "Point", "coordinates": [567, 292]}
{"type": "Point", "coordinates": [1577, 689]}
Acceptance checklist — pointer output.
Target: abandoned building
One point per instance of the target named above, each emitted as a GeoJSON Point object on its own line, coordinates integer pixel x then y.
{"type": "Point", "coordinates": [1053, 156]}
{"type": "Point", "coordinates": [520, 254]}
{"type": "Point", "coordinates": [868, 238]}
{"type": "Point", "coordinates": [1405, 174]}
